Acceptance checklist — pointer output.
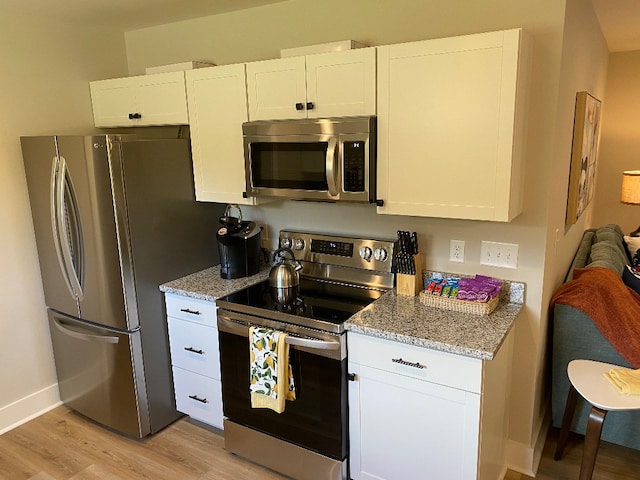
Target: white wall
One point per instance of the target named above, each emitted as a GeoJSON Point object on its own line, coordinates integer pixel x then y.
{"type": "Point", "coordinates": [619, 141]}
{"type": "Point", "coordinates": [45, 72]}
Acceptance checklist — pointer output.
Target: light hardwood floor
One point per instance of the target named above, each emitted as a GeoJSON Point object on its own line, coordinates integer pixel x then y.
{"type": "Point", "coordinates": [61, 445]}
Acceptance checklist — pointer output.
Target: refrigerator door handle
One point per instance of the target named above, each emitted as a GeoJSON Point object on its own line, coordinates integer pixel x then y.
{"type": "Point", "coordinates": [65, 222]}
{"type": "Point", "coordinates": [87, 337]}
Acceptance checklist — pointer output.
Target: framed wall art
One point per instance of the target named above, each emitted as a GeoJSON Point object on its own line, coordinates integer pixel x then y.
{"type": "Point", "coordinates": [584, 153]}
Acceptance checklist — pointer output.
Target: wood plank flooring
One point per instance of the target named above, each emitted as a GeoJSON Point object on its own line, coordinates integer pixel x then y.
{"type": "Point", "coordinates": [62, 445]}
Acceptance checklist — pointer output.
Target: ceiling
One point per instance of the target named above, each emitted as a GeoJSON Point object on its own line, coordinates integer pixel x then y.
{"type": "Point", "coordinates": [127, 14]}
{"type": "Point", "coordinates": [619, 19]}
{"type": "Point", "coordinates": [620, 23]}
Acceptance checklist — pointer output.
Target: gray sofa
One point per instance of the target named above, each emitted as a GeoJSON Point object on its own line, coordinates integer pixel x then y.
{"type": "Point", "coordinates": [574, 335]}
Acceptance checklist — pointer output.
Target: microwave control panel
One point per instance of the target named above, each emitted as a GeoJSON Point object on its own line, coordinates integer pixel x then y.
{"type": "Point", "coordinates": [354, 166]}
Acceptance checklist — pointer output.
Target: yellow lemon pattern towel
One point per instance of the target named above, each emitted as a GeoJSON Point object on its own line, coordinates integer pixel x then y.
{"type": "Point", "coordinates": [271, 379]}
{"type": "Point", "coordinates": [625, 380]}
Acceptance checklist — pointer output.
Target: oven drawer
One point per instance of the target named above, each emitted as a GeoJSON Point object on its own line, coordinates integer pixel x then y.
{"type": "Point", "coordinates": [443, 368]}
{"type": "Point", "coordinates": [198, 396]}
{"type": "Point", "coordinates": [192, 309]}
{"type": "Point", "coordinates": [194, 347]}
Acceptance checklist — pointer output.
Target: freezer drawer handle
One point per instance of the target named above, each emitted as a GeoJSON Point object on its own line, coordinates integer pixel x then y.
{"type": "Point", "coordinates": [188, 310]}
{"type": "Point", "coordinates": [198, 399]}
{"type": "Point", "coordinates": [408, 364]}
{"type": "Point", "coordinates": [87, 337]}
{"type": "Point", "coordinates": [191, 349]}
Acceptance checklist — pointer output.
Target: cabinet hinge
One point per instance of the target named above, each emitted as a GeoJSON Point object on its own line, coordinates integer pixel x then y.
{"type": "Point", "coordinates": [351, 377]}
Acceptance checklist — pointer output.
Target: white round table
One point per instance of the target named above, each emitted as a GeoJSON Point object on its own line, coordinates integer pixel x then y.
{"type": "Point", "coordinates": [587, 379]}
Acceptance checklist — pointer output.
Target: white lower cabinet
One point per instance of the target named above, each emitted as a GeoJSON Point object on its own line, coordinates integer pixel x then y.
{"type": "Point", "coordinates": [415, 413]}
{"type": "Point", "coordinates": [195, 360]}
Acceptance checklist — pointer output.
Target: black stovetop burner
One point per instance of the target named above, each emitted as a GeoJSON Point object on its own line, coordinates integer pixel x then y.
{"type": "Point", "coordinates": [319, 300]}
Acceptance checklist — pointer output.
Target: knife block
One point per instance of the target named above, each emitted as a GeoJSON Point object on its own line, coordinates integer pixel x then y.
{"type": "Point", "coordinates": [410, 285]}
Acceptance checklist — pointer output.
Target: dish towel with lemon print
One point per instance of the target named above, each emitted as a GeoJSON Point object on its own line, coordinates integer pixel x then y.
{"type": "Point", "coordinates": [271, 378]}
{"type": "Point", "coordinates": [625, 380]}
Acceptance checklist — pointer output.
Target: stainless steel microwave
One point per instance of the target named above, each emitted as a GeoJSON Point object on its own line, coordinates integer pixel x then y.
{"type": "Point", "coordinates": [324, 159]}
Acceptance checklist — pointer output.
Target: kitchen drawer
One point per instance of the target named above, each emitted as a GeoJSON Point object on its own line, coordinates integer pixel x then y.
{"type": "Point", "coordinates": [198, 396]}
{"type": "Point", "coordinates": [443, 368]}
{"type": "Point", "coordinates": [192, 309]}
{"type": "Point", "coordinates": [194, 347]}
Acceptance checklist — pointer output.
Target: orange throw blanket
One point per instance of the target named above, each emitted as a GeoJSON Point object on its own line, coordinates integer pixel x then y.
{"type": "Point", "coordinates": [614, 308]}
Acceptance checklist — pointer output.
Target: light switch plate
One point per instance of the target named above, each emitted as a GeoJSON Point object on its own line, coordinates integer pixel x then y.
{"type": "Point", "coordinates": [498, 254]}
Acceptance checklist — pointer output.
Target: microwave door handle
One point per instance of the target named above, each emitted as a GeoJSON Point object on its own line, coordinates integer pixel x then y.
{"type": "Point", "coordinates": [332, 167]}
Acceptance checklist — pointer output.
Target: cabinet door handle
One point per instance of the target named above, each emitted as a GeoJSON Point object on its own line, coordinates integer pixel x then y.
{"type": "Point", "coordinates": [134, 116]}
{"type": "Point", "coordinates": [191, 349]}
{"type": "Point", "coordinates": [299, 106]}
{"type": "Point", "coordinates": [192, 312]}
{"type": "Point", "coordinates": [408, 364]}
{"type": "Point", "coordinates": [198, 399]}
{"type": "Point", "coordinates": [310, 106]}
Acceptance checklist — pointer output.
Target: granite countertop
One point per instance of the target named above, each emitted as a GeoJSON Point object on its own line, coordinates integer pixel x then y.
{"type": "Point", "coordinates": [208, 285]}
{"type": "Point", "coordinates": [407, 320]}
{"type": "Point", "coordinates": [393, 317]}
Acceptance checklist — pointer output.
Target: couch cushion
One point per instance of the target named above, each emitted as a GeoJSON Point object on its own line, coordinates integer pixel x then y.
{"type": "Point", "coordinates": [633, 247]}
{"type": "Point", "coordinates": [631, 278]}
{"type": "Point", "coordinates": [608, 255]}
{"type": "Point", "coordinates": [608, 249]}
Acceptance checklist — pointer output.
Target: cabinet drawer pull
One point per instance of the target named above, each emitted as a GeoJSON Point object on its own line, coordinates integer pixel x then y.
{"type": "Point", "coordinates": [191, 349]}
{"type": "Point", "coordinates": [408, 364]}
{"type": "Point", "coordinates": [188, 310]}
{"type": "Point", "coordinates": [134, 116]}
{"type": "Point", "coordinates": [198, 399]}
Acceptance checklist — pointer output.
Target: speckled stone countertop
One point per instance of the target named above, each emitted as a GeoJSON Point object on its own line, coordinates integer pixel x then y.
{"type": "Point", "coordinates": [394, 317]}
{"type": "Point", "coordinates": [406, 320]}
{"type": "Point", "coordinates": [208, 285]}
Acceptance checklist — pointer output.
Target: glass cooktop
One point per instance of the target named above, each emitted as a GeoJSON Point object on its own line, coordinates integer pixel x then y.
{"type": "Point", "coordinates": [318, 300]}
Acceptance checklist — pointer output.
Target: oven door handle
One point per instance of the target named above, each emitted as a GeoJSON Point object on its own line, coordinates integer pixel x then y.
{"type": "Point", "coordinates": [241, 329]}
{"type": "Point", "coordinates": [310, 343]}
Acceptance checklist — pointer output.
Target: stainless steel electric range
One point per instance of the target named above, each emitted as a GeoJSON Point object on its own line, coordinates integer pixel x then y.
{"type": "Point", "coordinates": [309, 440]}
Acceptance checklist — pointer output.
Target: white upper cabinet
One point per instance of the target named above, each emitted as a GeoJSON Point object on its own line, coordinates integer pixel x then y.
{"type": "Point", "coordinates": [451, 126]}
{"type": "Point", "coordinates": [158, 99]}
{"type": "Point", "coordinates": [333, 84]}
{"type": "Point", "coordinates": [217, 98]}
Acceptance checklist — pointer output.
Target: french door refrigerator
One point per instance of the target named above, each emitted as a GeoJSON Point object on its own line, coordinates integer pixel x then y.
{"type": "Point", "coordinates": [114, 217]}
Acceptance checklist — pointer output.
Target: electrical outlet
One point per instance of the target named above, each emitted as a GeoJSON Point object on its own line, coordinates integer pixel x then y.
{"type": "Point", "coordinates": [456, 251]}
{"type": "Point", "coordinates": [497, 254]}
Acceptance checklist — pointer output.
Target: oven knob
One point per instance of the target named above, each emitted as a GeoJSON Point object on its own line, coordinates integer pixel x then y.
{"type": "Point", "coordinates": [286, 242]}
{"type": "Point", "coordinates": [380, 254]}
{"type": "Point", "coordinates": [365, 253]}
{"type": "Point", "coordinates": [298, 244]}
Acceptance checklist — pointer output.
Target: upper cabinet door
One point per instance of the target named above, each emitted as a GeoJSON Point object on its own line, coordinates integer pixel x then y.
{"type": "Point", "coordinates": [342, 83]}
{"type": "Point", "coordinates": [337, 84]}
{"type": "Point", "coordinates": [113, 100]}
{"type": "Point", "coordinates": [217, 98]}
{"type": "Point", "coordinates": [158, 99]}
{"type": "Point", "coordinates": [162, 99]}
{"type": "Point", "coordinates": [277, 89]}
{"type": "Point", "coordinates": [450, 126]}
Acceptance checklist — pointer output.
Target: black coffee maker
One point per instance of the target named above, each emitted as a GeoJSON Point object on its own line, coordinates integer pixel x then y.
{"type": "Point", "coordinates": [238, 245]}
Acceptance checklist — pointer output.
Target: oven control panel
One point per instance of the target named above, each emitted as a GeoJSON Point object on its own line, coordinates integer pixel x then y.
{"type": "Point", "coordinates": [355, 252]}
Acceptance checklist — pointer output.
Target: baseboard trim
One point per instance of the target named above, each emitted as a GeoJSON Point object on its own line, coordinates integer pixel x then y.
{"type": "Point", "coordinates": [29, 407]}
{"type": "Point", "coordinates": [525, 458]}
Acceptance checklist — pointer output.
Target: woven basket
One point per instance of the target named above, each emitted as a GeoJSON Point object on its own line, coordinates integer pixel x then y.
{"type": "Point", "coordinates": [445, 303]}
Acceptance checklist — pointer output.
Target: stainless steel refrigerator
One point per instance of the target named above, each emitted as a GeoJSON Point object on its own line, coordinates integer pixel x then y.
{"type": "Point", "coordinates": [114, 217]}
